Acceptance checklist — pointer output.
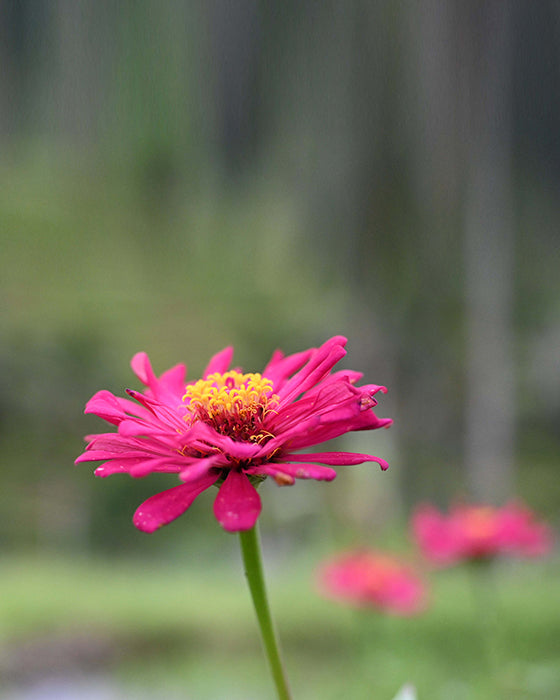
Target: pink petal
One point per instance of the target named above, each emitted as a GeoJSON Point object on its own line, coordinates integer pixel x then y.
{"type": "Point", "coordinates": [148, 466]}
{"type": "Point", "coordinates": [97, 455]}
{"type": "Point", "coordinates": [281, 477]}
{"type": "Point", "coordinates": [237, 505]}
{"type": "Point", "coordinates": [367, 420]}
{"type": "Point", "coordinates": [116, 445]}
{"type": "Point", "coordinates": [132, 427]}
{"type": "Point", "coordinates": [166, 506]}
{"type": "Point", "coordinates": [280, 368]}
{"type": "Point", "coordinates": [336, 458]}
{"type": "Point", "coordinates": [198, 468]}
{"type": "Point", "coordinates": [434, 536]}
{"type": "Point", "coordinates": [141, 398]}
{"type": "Point", "coordinates": [110, 468]}
{"type": "Point", "coordinates": [318, 404]}
{"type": "Point", "coordinates": [202, 437]}
{"type": "Point", "coordinates": [296, 471]}
{"type": "Point", "coordinates": [313, 435]}
{"type": "Point", "coordinates": [106, 406]}
{"type": "Point", "coordinates": [277, 359]}
{"type": "Point", "coordinates": [173, 380]}
{"type": "Point", "coordinates": [329, 403]}
{"type": "Point", "coordinates": [316, 428]}
{"type": "Point", "coordinates": [316, 369]}
{"type": "Point", "coordinates": [290, 436]}
{"type": "Point", "coordinates": [347, 375]}
{"type": "Point", "coordinates": [235, 448]}
{"type": "Point", "coordinates": [142, 368]}
{"type": "Point", "coordinates": [219, 362]}
{"type": "Point", "coordinates": [136, 467]}
{"type": "Point", "coordinates": [169, 387]}
{"type": "Point", "coordinates": [168, 415]}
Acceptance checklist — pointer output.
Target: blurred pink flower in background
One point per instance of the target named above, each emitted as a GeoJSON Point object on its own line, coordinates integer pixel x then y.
{"type": "Point", "coordinates": [232, 429]}
{"type": "Point", "coordinates": [371, 579]}
{"type": "Point", "coordinates": [479, 532]}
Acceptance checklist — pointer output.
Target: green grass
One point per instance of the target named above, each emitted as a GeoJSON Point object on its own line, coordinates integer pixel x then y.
{"type": "Point", "coordinates": [193, 628]}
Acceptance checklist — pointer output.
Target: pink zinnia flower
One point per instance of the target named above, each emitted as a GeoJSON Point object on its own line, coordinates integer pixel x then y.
{"type": "Point", "coordinates": [232, 430]}
{"type": "Point", "coordinates": [479, 532]}
{"type": "Point", "coordinates": [369, 579]}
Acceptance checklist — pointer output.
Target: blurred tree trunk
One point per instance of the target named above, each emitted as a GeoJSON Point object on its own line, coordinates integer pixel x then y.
{"type": "Point", "coordinates": [431, 281]}
{"type": "Point", "coordinates": [71, 95]}
{"type": "Point", "coordinates": [490, 399]}
{"type": "Point", "coordinates": [22, 49]}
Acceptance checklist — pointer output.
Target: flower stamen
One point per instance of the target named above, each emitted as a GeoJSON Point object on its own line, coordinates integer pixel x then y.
{"type": "Point", "coordinates": [233, 404]}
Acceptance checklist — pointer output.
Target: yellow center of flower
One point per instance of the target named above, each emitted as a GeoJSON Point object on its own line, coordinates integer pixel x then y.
{"type": "Point", "coordinates": [480, 522]}
{"type": "Point", "coordinates": [234, 404]}
{"type": "Point", "coordinates": [378, 570]}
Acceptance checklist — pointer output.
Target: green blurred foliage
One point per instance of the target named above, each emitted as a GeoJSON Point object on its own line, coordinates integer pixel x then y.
{"type": "Point", "coordinates": [188, 626]}
{"type": "Point", "coordinates": [178, 178]}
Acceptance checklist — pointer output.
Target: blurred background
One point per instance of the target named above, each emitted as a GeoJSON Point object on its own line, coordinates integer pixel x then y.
{"type": "Point", "coordinates": [180, 176]}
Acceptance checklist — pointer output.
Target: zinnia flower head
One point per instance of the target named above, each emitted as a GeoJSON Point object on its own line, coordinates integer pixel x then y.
{"type": "Point", "coordinates": [370, 579]}
{"type": "Point", "coordinates": [232, 429]}
{"type": "Point", "coordinates": [479, 532]}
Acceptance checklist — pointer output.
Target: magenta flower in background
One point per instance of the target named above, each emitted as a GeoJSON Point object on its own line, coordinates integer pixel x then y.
{"type": "Point", "coordinates": [370, 579]}
{"type": "Point", "coordinates": [232, 430]}
{"type": "Point", "coordinates": [479, 532]}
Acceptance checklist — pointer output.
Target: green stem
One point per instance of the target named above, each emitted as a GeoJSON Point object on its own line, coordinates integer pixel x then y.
{"type": "Point", "coordinates": [252, 561]}
{"type": "Point", "coordinates": [486, 602]}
